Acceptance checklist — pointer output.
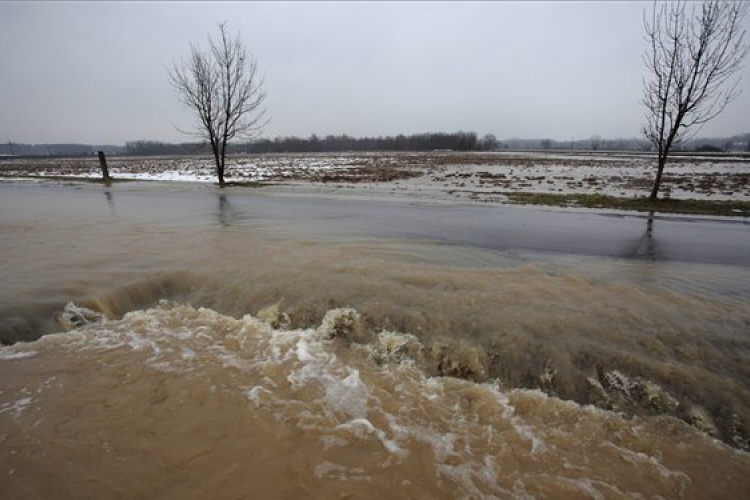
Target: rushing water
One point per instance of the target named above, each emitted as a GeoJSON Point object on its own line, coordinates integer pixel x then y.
{"type": "Point", "coordinates": [180, 342]}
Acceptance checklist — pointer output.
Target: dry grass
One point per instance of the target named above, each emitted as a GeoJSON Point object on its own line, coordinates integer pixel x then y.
{"type": "Point", "coordinates": [644, 204]}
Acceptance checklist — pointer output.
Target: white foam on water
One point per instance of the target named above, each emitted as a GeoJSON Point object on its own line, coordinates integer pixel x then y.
{"type": "Point", "coordinates": [7, 353]}
{"type": "Point", "coordinates": [639, 459]}
{"type": "Point", "coordinates": [74, 316]}
{"type": "Point", "coordinates": [587, 488]}
{"type": "Point", "coordinates": [16, 407]}
{"type": "Point", "coordinates": [330, 470]}
{"type": "Point", "coordinates": [362, 428]}
{"type": "Point", "coordinates": [312, 363]}
{"type": "Point", "coordinates": [348, 395]}
{"type": "Point", "coordinates": [333, 442]}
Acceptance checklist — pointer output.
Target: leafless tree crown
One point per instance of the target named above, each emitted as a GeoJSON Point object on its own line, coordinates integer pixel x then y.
{"type": "Point", "coordinates": [222, 86]}
{"type": "Point", "coordinates": [693, 56]}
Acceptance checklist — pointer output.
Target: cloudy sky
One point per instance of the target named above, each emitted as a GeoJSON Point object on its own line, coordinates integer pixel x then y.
{"type": "Point", "coordinates": [95, 72]}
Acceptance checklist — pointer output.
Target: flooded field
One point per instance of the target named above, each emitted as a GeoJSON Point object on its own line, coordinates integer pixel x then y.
{"type": "Point", "coordinates": [180, 341]}
{"type": "Point", "coordinates": [458, 176]}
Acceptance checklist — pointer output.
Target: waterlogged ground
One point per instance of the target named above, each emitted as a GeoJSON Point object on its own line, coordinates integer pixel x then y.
{"type": "Point", "coordinates": [181, 341]}
{"type": "Point", "coordinates": [455, 176]}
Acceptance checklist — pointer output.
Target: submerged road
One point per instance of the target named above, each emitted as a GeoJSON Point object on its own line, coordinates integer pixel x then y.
{"type": "Point", "coordinates": [496, 227]}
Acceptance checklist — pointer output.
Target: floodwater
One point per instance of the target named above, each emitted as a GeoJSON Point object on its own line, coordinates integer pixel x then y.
{"type": "Point", "coordinates": [176, 341]}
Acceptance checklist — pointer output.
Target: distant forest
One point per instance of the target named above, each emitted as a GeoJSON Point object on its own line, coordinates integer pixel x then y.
{"type": "Point", "coordinates": [458, 141]}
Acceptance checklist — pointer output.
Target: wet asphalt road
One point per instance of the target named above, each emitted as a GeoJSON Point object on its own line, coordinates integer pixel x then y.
{"type": "Point", "coordinates": [495, 227]}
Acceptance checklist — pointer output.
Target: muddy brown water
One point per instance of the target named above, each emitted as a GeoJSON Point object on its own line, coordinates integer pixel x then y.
{"type": "Point", "coordinates": [180, 342]}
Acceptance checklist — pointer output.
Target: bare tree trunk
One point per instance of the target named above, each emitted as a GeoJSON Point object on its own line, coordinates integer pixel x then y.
{"type": "Point", "coordinates": [219, 169]}
{"type": "Point", "coordinates": [219, 165]}
{"type": "Point", "coordinates": [657, 182]}
{"type": "Point", "coordinates": [222, 156]}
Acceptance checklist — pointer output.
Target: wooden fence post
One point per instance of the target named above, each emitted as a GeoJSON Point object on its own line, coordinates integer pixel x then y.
{"type": "Point", "coordinates": [103, 165]}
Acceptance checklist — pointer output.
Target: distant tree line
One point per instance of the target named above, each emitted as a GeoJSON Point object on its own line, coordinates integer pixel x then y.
{"type": "Point", "coordinates": [734, 144]}
{"type": "Point", "coordinates": [158, 148]}
{"type": "Point", "coordinates": [19, 149]}
{"type": "Point", "coordinates": [459, 141]}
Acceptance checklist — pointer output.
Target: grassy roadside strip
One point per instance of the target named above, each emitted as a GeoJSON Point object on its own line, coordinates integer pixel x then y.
{"type": "Point", "coordinates": [691, 207]}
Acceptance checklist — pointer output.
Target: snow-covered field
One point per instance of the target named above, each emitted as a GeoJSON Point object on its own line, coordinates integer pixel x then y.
{"type": "Point", "coordinates": [475, 176]}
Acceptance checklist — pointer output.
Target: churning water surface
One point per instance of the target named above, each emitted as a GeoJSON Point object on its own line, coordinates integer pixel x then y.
{"type": "Point", "coordinates": [181, 342]}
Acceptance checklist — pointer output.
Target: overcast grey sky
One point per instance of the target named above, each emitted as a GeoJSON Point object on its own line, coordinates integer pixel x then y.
{"type": "Point", "coordinates": [95, 72]}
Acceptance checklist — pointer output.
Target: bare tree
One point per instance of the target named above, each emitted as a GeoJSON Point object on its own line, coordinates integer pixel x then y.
{"type": "Point", "coordinates": [692, 58]}
{"type": "Point", "coordinates": [222, 87]}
